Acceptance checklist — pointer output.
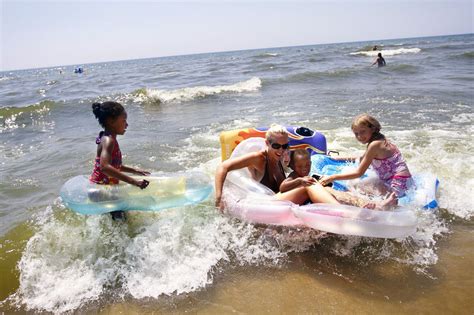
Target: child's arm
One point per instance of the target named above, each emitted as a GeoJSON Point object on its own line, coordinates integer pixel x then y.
{"type": "Point", "coordinates": [105, 157]}
{"type": "Point", "coordinates": [132, 170]}
{"type": "Point", "coordinates": [363, 166]}
{"type": "Point", "coordinates": [291, 182]}
{"type": "Point", "coordinates": [346, 159]}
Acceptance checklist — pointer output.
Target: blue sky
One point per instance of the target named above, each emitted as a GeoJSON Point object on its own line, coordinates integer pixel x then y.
{"type": "Point", "coordinates": [50, 33]}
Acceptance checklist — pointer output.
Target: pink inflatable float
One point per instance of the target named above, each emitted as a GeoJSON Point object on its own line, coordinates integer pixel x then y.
{"type": "Point", "coordinates": [245, 198]}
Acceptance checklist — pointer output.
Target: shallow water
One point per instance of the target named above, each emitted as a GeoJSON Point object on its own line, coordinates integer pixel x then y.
{"type": "Point", "coordinates": [192, 258]}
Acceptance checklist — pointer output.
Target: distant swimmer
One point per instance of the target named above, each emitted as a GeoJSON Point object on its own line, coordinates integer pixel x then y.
{"type": "Point", "coordinates": [379, 61]}
{"type": "Point", "coordinates": [375, 47]}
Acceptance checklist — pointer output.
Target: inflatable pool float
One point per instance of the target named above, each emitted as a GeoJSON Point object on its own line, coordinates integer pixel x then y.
{"type": "Point", "coordinates": [248, 200]}
{"type": "Point", "coordinates": [423, 196]}
{"type": "Point", "coordinates": [300, 138]}
{"type": "Point", "coordinates": [164, 191]}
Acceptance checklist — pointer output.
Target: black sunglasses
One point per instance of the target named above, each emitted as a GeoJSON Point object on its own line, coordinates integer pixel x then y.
{"type": "Point", "coordinates": [277, 146]}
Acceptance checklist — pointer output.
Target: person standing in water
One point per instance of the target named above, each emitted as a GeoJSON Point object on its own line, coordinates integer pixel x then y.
{"type": "Point", "coordinates": [380, 61]}
{"type": "Point", "coordinates": [108, 167]}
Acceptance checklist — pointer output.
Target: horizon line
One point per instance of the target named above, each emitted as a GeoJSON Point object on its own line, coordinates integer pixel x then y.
{"type": "Point", "coordinates": [226, 51]}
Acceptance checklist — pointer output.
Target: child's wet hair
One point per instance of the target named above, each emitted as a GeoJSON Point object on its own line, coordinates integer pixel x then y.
{"type": "Point", "coordinates": [303, 153]}
{"type": "Point", "coordinates": [370, 122]}
{"type": "Point", "coordinates": [367, 121]}
{"type": "Point", "coordinates": [105, 110]}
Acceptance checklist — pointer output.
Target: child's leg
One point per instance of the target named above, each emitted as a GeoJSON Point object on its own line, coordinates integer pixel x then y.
{"type": "Point", "coordinates": [397, 187]}
{"type": "Point", "coordinates": [371, 186]}
{"type": "Point", "coordinates": [400, 185]}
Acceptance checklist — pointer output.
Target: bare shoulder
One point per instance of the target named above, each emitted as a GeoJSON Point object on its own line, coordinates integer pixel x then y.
{"type": "Point", "coordinates": [254, 156]}
{"type": "Point", "coordinates": [374, 149]}
{"type": "Point", "coordinates": [106, 142]}
{"type": "Point", "coordinates": [376, 145]}
{"type": "Point", "coordinates": [251, 159]}
{"type": "Point", "coordinates": [255, 161]}
{"type": "Point", "coordinates": [260, 157]}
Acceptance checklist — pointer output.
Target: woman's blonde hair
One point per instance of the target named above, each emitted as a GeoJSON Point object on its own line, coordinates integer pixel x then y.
{"type": "Point", "coordinates": [367, 121]}
{"type": "Point", "coordinates": [275, 130]}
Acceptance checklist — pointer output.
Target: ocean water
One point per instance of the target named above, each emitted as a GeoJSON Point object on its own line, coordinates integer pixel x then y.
{"type": "Point", "coordinates": [193, 259]}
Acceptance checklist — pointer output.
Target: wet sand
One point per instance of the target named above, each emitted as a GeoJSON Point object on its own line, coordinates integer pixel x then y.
{"type": "Point", "coordinates": [313, 283]}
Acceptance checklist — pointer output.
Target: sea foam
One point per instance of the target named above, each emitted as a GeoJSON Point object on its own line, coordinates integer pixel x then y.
{"type": "Point", "coordinates": [388, 52]}
{"type": "Point", "coordinates": [190, 93]}
{"type": "Point", "coordinates": [73, 261]}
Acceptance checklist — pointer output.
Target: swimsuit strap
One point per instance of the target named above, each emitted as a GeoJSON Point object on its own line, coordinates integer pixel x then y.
{"type": "Point", "coordinates": [101, 134]}
{"type": "Point", "coordinates": [99, 137]}
{"type": "Point", "coordinates": [268, 180]}
{"type": "Point", "coordinates": [281, 167]}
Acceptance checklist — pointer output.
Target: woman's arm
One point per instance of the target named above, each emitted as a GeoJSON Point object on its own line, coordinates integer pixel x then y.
{"type": "Point", "coordinates": [250, 159]}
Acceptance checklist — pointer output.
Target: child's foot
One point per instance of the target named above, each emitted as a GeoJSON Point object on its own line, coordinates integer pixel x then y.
{"type": "Point", "coordinates": [118, 215]}
{"type": "Point", "coordinates": [389, 202]}
{"type": "Point", "coordinates": [370, 205]}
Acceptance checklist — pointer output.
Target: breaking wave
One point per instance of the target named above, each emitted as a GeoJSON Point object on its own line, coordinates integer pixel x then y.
{"type": "Point", "coordinates": [12, 118]}
{"type": "Point", "coordinates": [267, 55]}
{"type": "Point", "coordinates": [158, 254]}
{"type": "Point", "coordinates": [190, 93]}
{"type": "Point", "coordinates": [388, 52]}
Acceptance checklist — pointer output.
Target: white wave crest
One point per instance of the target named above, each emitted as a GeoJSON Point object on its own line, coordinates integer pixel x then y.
{"type": "Point", "coordinates": [190, 93]}
{"type": "Point", "coordinates": [154, 254]}
{"type": "Point", "coordinates": [268, 54]}
{"type": "Point", "coordinates": [59, 269]}
{"type": "Point", "coordinates": [388, 52]}
{"type": "Point", "coordinates": [464, 118]}
{"type": "Point", "coordinates": [9, 123]}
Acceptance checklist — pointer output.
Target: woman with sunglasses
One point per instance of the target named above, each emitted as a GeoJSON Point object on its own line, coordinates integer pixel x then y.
{"type": "Point", "coordinates": [266, 167]}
